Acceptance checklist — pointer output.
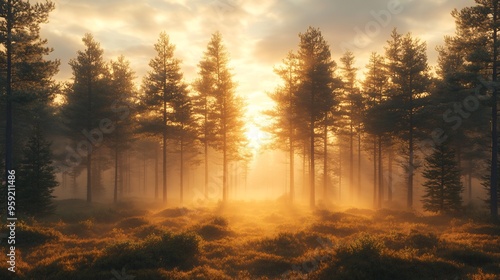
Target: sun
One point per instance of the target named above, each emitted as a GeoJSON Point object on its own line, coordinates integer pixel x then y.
{"type": "Point", "coordinates": [256, 137]}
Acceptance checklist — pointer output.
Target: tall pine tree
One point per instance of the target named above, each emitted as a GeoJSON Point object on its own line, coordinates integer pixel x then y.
{"type": "Point", "coordinates": [87, 103]}
{"type": "Point", "coordinates": [122, 92]}
{"type": "Point", "coordinates": [285, 125]}
{"type": "Point", "coordinates": [161, 86]}
{"type": "Point", "coordinates": [227, 114]}
{"type": "Point", "coordinates": [377, 117]}
{"type": "Point", "coordinates": [26, 83]}
{"type": "Point", "coordinates": [477, 38]}
{"type": "Point", "coordinates": [315, 96]}
{"type": "Point", "coordinates": [409, 82]}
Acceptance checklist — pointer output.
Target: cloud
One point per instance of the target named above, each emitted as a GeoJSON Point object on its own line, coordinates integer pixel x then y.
{"type": "Point", "coordinates": [257, 34]}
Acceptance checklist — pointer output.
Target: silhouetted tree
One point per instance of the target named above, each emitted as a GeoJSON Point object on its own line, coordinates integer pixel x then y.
{"type": "Point", "coordinates": [122, 93]}
{"type": "Point", "coordinates": [87, 103]}
{"type": "Point", "coordinates": [442, 186]}
{"type": "Point", "coordinates": [37, 179]}
{"type": "Point", "coordinates": [26, 75]}
{"type": "Point", "coordinates": [409, 78]}
{"type": "Point", "coordinates": [161, 87]}
{"type": "Point", "coordinates": [315, 96]}
{"type": "Point", "coordinates": [376, 119]}
{"type": "Point", "coordinates": [352, 110]}
{"type": "Point", "coordinates": [185, 131]}
{"type": "Point", "coordinates": [285, 125]}
{"type": "Point", "coordinates": [476, 37]}
{"type": "Point", "coordinates": [228, 136]}
{"type": "Point", "coordinates": [204, 105]}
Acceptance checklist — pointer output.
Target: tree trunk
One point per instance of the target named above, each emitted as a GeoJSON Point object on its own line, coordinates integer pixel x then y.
{"type": "Point", "coordinates": [164, 143]}
{"type": "Point", "coordinates": [389, 177]}
{"type": "Point", "coordinates": [351, 159]}
{"type": "Point", "coordinates": [374, 172]}
{"type": "Point", "coordinates": [380, 173]}
{"type": "Point", "coordinates": [410, 150]}
{"type": "Point", "coordinates": [89, 175]}
{"type": "Point", "coordinates": [292, 158]}
{"type": "Point", "coordinates": [325, 164]}
{"type": "Point", "coordinates": [312, 190]}
{"type": "Point", "coordinates": [129, 173]}
{"type": "Point", "coordinates": [304, 178]}
{"type": "Point", "coordinates": [8, 130]}
{"type": "Point", "coordinates": [358, 189]}
{"type": "Point", "coordinates": [182, 168]}
{"type": "Point", "coordinates": [115, 189]}
{"type": "Point", "coordinates": [89, 144]}
{"type": "Point", "coordinates": [206, 167]}
{"type": "Point", "coordinates": [144, 173]}
{"type": "Point", "coordinates": [164, 170]}
{"type": "Point", "coordinates": [224, 168]}
{"type": "Point", "coordinates": [469, 185]}
{"type": "Point", "coordinates": [156, 170]}
{"type": "Point", "coordinates": [494, 121]}
{"type": "Point", "coordinates": [340, 172]}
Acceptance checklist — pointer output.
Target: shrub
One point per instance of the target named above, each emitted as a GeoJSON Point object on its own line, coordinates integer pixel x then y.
{"type": "Point", "coordinates": [423, 240]}
{"type": "Point", "coordinates": [214, 229]}
{"type": "Point", "coordinates": [285, 245]}
{"type": "Point", "coordinates": [366, 258]}
{"type": "Point", "coordinates": [147, 230]}
{"type": "Point", "coordinates": [132, 222]}
{"type": "Point", "coordinates": [173, 212]}
{"type": "Point", "coordinates": [32, 236]}
{"type": "Point", "coordinates": [362, 259]}
{"type": "Point", "coordinates": [166, 250]}
{"type": "Point", "coordinates": [268, 265]}
{"type": "Point", "coordinates": [467, 256]}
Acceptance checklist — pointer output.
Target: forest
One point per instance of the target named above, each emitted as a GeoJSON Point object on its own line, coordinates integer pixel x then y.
{"type": "Point", "coordinates": [388, 170]}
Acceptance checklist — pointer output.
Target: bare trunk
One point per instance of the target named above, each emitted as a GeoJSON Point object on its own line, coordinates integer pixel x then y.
{"type": "Point", "coordinates": [156, 171]}
{"type": "Point", "coordinates": [9, 130]}
{"type": "Point", "coordinates": [115, 189]}
{"type": "Point", "coordinates": [389, 177]}
{"type": "Point", "coordinates": [351, 160]}
{"type": "Point", "coordinates": [380, 173]}
{"type": "Point", "coordinates": [494, 121]}
{"type": "Point", "coordinates": [182, 169]}
{"type": "Point", "coordinates": [374, 172]}
{"type": "Point", "coordinates": [358, 189]}
{"type": "Point", "coordinates": [325, 164]}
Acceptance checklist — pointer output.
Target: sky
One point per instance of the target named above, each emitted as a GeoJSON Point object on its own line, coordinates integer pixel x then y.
{"type": "Point", "coordinates": [257, 33]}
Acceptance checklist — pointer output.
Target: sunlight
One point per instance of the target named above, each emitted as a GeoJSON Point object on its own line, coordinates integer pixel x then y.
{"type": "Point", "coordinates": [256, 137]}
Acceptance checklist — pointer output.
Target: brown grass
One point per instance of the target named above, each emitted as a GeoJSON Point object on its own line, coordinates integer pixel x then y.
{"type": "Point", "coordinates": [260, 240]}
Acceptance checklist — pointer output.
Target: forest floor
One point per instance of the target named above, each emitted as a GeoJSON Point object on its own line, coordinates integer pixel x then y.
{"type": "Point", "coordinates": [251, 240]}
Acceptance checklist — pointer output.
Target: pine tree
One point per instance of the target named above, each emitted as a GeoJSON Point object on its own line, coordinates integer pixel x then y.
{"type": "Point", "coordinates": [226, 116]}
{"type": "Point", "coordinates": [443, 187]}
{"type": "Point", "coordinates": [37, 178]}
{"type": "Point", "coordinates": [122, 91]}
{"type": "Point", "coordinates": [204, 107]}
{"type": "Point", "coordinates": [185, 131]}
{"type": "Point", "coordinates": [376, 118]}
{"type": "Point", "coordinates": [352, 104]}
{"type": "Point", "coordinates": [315, 96]}
{"type": "Point", "coordinates": [409, 80]}
{"type": "Point", "coordinates": [285, 125]}
{"type": "Point", "coordinates": [161, 86]}
{"type": "Point", "coordinates": [486, 183]}
{"type": "Point", "coordinates": [87, 103]}
{"type": "Point", "coordinates": [477, 37]}
{"type": "Point", "coordinates": [26, 83]}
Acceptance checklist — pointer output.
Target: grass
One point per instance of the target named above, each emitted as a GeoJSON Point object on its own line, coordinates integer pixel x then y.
{"type": "Point", "coordinates": [259, 240]}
